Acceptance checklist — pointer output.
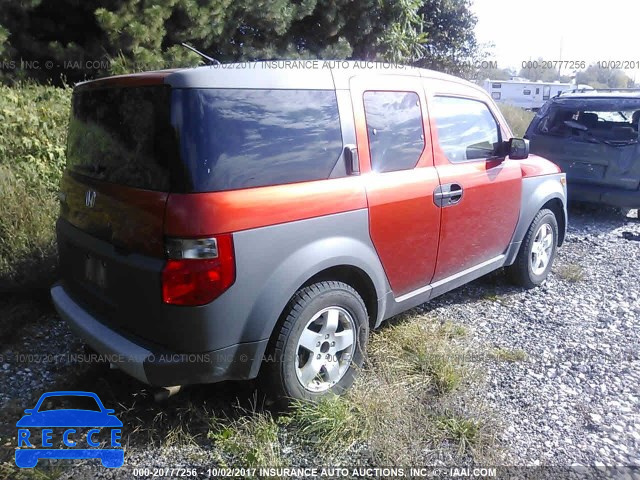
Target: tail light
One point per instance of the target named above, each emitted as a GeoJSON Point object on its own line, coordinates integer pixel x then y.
{"type": "Point", "coordinates": [198, 270]}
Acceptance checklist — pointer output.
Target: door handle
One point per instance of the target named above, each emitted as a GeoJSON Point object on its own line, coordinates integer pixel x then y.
{"type": "Point", "coordinates": [448, 194]}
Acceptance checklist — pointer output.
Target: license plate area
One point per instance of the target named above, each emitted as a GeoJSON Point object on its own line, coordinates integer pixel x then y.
{"type": "Point", "coordinates": [95, 271]}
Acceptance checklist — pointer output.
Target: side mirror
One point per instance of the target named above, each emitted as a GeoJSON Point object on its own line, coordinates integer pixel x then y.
{"type": "Point", "coordinates": [28, 411]}
{"type": "Point", "coordinates": [518, 148]}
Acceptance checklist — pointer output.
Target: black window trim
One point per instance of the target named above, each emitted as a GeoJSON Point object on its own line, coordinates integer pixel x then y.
{"type": "Point", "coordinates": [498, 124]}
{"type": "Point", "coordinates": [424, 134]}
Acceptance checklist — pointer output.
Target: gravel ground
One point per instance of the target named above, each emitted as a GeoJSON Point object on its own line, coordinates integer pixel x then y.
{"type": "Point", "coordinates": [576, 397]}
{"type": "Point", "coordinates": [573, 400]}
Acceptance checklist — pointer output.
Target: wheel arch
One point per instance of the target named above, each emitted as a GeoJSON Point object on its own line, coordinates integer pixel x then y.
{"type": "Point", "coordinates": [545, 191]}
{"type": "Point", "coordinates": [356, 278]}
{"type": "Point", "coordinates": [557, 207]}
{"type": "Point", "coordinates": [342, 259]}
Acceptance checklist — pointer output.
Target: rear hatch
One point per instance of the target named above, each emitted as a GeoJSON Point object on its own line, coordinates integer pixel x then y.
{"type": "Point", "coordinates": [121, 156]}
{"type": "Point", "coordinates": [593, 140]}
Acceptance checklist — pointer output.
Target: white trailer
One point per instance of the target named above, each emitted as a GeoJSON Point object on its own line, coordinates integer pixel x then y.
{"type": "Point", "coordinates": [523, 93]}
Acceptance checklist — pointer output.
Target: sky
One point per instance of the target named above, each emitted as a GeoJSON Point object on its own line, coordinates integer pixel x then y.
{"type": "Point", "coordinates": [587, 31]}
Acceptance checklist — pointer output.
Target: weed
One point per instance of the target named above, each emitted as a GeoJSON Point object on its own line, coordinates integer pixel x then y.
{"type": "Point", "coordinates": [507, 355]}
{"type": "Point", "coordinates": [250, 440]}
{"type": "Point", "coordinates": [465, 432]}
{"type": "Point", "coordinates": [572, 273]}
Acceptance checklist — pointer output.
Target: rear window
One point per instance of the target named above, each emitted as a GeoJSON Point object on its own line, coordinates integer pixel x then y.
{"type": "Point", "coordinates": [591, 120]}
{"type": "Point", "coordinates": [124, 136]}
{"type": "Point", "coordinates": [239, 138]}
{"type": "Point", "coordinates": [204, 140]}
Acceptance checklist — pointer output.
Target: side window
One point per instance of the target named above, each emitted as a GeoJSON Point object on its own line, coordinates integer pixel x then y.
{"type": "Point", "coordinates": [242, 138]}
{"type": "Point", "coordinates": [394, 127]}
{"type": "Point", "coordinates": [466, 128]}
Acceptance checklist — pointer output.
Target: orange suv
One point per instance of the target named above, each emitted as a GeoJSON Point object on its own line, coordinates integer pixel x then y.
{"type": "Point", "coordinates": [224, 222]}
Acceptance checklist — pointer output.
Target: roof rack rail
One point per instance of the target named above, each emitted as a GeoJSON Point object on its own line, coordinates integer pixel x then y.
{"type": "Point", "coordinates": [585, 90]}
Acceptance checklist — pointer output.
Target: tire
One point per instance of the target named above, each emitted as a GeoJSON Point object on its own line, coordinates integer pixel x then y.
{"type": "Point", "coordinates": [319, 320]}
{"type": "Point", "coordinates": [528, 271]}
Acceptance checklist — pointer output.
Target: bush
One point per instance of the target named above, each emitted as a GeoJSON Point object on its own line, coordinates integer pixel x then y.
{"type": "Point", "coordinates": [517, 118]}
{"type": "Point", "coordinates": [33, 126]}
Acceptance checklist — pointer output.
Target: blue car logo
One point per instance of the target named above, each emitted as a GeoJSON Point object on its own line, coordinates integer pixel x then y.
{"type": "Point", "coordinates": [36, 431]}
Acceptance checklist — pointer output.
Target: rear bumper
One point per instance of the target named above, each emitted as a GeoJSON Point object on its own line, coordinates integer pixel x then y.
{"type": "Point", "coordinates": [154, 365]}
{"type": "Point", "coordinates": [615, 197]}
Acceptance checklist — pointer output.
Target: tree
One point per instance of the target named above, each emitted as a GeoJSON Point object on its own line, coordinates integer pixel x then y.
{"type": "Point", "coordinates": [494, 74]}
{"type": "Point", "coordinates": [604, 77]}
{"type": "Point", "coordinates": [86, 39]}
{"type": "Point", "coordinates": [451, 43]}
{"type": "Point", "coordinates": [4, 35]}
{"type": "Point", "coordinates": [538, 70]}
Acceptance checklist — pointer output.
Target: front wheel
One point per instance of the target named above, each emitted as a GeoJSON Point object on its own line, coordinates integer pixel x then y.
{"type": "Point", "coordinates": [319, 344]}
{"type": "Point", "coordinates": [537, 252]}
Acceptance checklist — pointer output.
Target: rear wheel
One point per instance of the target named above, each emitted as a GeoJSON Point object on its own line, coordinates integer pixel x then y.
{"type": "Point", "coordinates": [537, 252]}
{"type": "Point", "coordinates": [320, 343]}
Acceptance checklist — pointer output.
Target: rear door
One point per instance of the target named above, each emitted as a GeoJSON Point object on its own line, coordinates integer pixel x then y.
{"type": "Point", "coordinates": [480, 193]}
{"type": "Point", "coordinates": [394, 149]}
{"type": "Point", "coordinates": [121, 148]}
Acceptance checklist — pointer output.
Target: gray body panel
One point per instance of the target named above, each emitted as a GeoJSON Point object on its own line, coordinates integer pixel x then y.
{"type": "Point", "coordinates": [271, 263]}
{"type": "Point", "coordinates": [536, 192]}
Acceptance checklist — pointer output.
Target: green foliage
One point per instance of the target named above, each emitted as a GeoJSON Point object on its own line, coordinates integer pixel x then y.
{"type": "Point", "coordinates": [604, 78]}
{"type": "Point", "coordinates": [33, 124]}
{"type": "Point", "coordinates": [333, 424]}
{"type": "Point", "coordinates": [538, 71]}
{"type": "Point", "coordinates": [90, 39]}
{"type": "Point", "coordinates": [33, 132]}
{"type": "Point", "coordinates": [403, 40]}
{"type": "Point", "coordinates": [517, 118]}
{"type": "Point", "coordinates": [493, 74]}
{"type": "Point", "coordinates": [250, 441]}
{"type": "Point", "coordinates": [508, 355]}
{"type": "Point", "coordinates": [452, 46]}
{"type": "Point", "coordinates": [4, 35]}
{"type": "Point", "coordinates": [593, 75]}
{"type": "Point", "coordinates": [465, 432]}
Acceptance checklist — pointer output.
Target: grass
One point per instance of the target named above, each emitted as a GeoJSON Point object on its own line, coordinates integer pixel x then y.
{"type": "Point", "coordinates": [508, 355]}
{"type": "Point", "coordinates": [397, 412]}
{"type": "Point", "coordinates": [251, 440]}
{"type": "Point", "coordinates": [517, 118]}
{"type": "Point", "coordinates": [333, 424]}
{"type": "Point", "coordinates": [8, 471]}
{"type": "Point", "coordinates": [27, 244]}
{"type": "Point", "coordinates": [419, 353]}
{"type": "Point", "coordinates": [465, 432]}
{"type": "Point", "coordinates": [415, 368]}
{"type": "Point", "coordinates": [33, 125]}
{"type": "Point", "coordinates": [572, 272]}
